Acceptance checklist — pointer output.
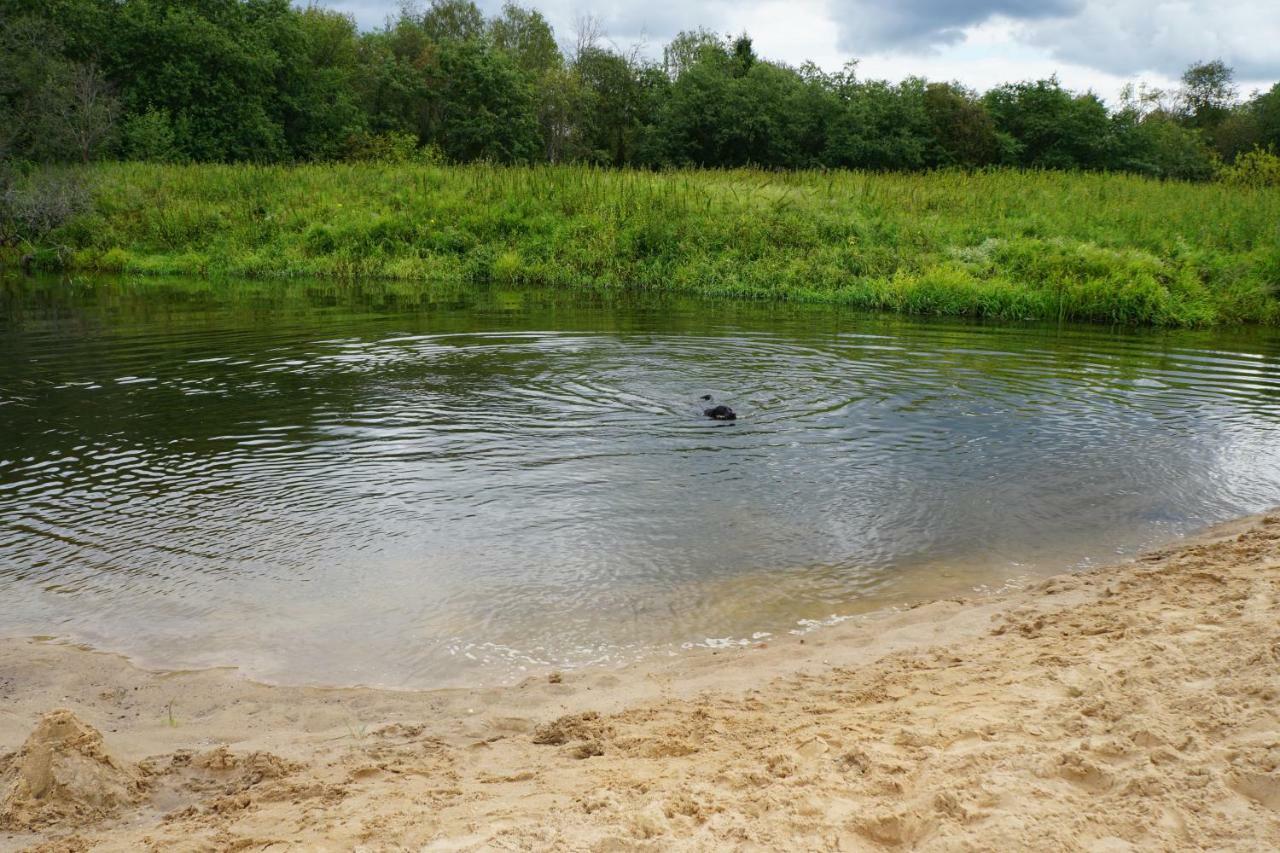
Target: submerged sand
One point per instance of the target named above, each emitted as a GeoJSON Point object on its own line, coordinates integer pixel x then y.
{"type": "Point", "coordinates": [1133, 707]}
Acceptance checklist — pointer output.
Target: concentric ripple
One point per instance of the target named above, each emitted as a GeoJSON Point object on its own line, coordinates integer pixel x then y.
{"type": "Point", "coordinates": [347, 489]}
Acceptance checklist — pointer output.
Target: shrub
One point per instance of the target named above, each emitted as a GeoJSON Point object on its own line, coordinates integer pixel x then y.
{"type": "Point", "coordinates": [391, 147]}
{"type": "Point", "coordinates": [150, 137]}
{"type": "Point", "coordinates": [319, 240]}
{"type": "Point", "coordinates": [1257, 168]}
{"type": "Point", "coordinates": [32, 208]}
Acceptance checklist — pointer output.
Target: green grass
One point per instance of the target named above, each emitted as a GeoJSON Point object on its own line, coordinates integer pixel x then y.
{"type": "Point", "coordinates": [1003, 244]}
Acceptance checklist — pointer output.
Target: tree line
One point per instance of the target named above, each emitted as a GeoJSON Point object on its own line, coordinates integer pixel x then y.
{"type": "Point", "coordinates": [265, 81]}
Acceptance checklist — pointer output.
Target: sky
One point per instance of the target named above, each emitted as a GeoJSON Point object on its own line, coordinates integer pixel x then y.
{"type": "Point", "coordinates": [1095, 45]}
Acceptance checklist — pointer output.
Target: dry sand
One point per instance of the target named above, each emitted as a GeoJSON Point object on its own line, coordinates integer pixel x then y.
{"type": "Point", "coordinates": [1134, 707]}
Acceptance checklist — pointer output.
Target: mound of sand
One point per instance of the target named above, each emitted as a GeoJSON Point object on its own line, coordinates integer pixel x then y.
{"type": "Point", "coordinates": [63, 775]}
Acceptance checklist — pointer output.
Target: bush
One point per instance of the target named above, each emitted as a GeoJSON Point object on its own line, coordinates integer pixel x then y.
{"type": "Point", "coordinates": [33, 207]}
{"type": "Point", "coordinates": [1179, 153]}
{"type": "Point", "coordinates": [150, 137]}
{"type": "Point", "coordinates": [391, 147]}
{"type": "Point", "coordinates": [1257, 168]}
{"type": "Point", "coordinates": [319, 240]}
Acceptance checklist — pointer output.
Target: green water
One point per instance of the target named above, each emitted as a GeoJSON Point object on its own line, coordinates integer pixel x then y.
{"type": "Point", "coordinates": [377, 485]}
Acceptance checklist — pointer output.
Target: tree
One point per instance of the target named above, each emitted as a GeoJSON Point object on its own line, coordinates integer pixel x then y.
{"type": "Point", "coordinates": [51, 107]}
{"type": "Point", "coordinates": [31, 64]}
{"type": "Point", "coordinates": [731, 109]}
{"type": "Point", "coordinates": [149, 136]}
{"type": "Point", "coordinates": [1262, 115]}
{"type": "Point", "coordinates": [1156, 144]}
{"type": "Point", "coordinates": [318, 106]}
{"type": "Point", "coordinates": [391, 81]}
{"type": "Point", "coordinates": [686, 49]}
{"type": "Point", "coordinates": [483, 106]}
{"type": "Point", "coordinates": [587, 35]}
{"type": "Point", "coordinates": [1207, 95]}
{"type": "Point", "coordinates": [744, 54]}
{"type": "Point", "coordinates": [560, 106]}
{"type": "Point", "coordinates": [527, 38]}
{"type": "Point", "coordinates": [280, 80]}
{"type": "Point", "coordinates": [453, 20]}
{"type": "Point", "coordinates": [613, 104]}
{"type": "Point", "coordinates": [1266, 109]}
{"type": "Point", "coordinates": [880, 125]}
{"type": "Point", "coordinates": [963, 130]}
{"type": "Point", "coordinates": [84, 112]}
{"type": "Point", "coordinates": [1051, 128]}
{"type": "Point", "coordinates": [213, 67]}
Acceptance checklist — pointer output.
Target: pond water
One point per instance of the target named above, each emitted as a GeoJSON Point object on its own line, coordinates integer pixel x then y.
{"type": "Point", "coordinates": [388, 486]}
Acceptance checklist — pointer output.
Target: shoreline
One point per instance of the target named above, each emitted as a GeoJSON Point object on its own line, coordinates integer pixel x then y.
{"type": "Point", "coordinates": [1117, 707]}
{"type": "Point", "coordinates": [858, 611]}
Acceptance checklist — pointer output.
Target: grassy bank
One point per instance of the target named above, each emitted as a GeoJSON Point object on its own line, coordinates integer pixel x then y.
{"type": "Point", "coordinates": [1006, 244]}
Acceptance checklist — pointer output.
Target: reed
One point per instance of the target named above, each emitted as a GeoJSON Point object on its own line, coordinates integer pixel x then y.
{"type": "Point", "coordinates": [1002, 244]}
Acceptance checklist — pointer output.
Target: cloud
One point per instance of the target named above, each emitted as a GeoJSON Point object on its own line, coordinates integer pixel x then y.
{"type": "Point", "coordinates": [368, 13]}
{"type": "Point", "coordinates": [877, 26]}
{"type": "Point", "coordinates": [1165, 36]}
{"type": "Point", "coordinates": [657, 20]}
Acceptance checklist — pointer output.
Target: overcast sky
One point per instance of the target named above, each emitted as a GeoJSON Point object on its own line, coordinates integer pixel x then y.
{"type": "Point", "coordinates": [1089, 44]}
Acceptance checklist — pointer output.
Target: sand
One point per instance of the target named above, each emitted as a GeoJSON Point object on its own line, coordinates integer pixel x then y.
{"type": "Point", "coordinates": [1135, 707]}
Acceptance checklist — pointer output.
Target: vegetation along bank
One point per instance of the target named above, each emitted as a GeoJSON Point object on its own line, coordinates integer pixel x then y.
{"type": "Point", "coordinates": [1005, 244]}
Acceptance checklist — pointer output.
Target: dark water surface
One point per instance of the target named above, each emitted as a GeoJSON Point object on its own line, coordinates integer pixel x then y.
{"type": "Point", "coordinates": [344, 485]}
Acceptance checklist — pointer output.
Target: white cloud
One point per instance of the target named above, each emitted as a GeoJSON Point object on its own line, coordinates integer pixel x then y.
{"type": "Point", "coordinates": [879, 26]}
{"type": "Point", "coordinates": [1165, 36]}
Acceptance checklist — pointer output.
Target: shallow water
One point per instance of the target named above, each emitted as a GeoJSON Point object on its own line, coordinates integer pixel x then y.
{"type": "Point", "coordinates": [343, 485]}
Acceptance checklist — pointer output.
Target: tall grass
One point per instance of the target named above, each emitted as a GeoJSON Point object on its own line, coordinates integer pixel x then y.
{"type": "Point", "coordinates": [1002, 244]}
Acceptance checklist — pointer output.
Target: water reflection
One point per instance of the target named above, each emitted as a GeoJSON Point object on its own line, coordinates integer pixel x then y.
{"type": "Point", "coordinates": [382, 485]}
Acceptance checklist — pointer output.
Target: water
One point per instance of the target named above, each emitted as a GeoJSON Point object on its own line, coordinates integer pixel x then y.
{"type": "Point", "coordinates": [369, 485]}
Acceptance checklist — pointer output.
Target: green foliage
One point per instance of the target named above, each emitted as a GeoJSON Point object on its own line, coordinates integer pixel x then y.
{"type": "Point", "coordinates": [1159, 146]}
{"type": "Point", "coordinates": [1208, 93]}
{"type": "Point", "coordinates": [1265, 110]}
{"type": "Point", "coordinates": [149, 136]}
{"type": "Point", "coordinates": [883, 127]}
{"type": "Point", "coordinates": [318, 106]}
{"type": "Point", "coordinates": [484, 108]}
{"type": "Point", "coordinates": [52, 106]}
{"type": "Point", "coordinates": [1257, 168]}
{"type": "Point", "coordinates": [390, 147]}
{"type": "Point", "coordinates": [213, 67]}
{"type": "Point", "coordinates": [962, 130]}
{"type": "Point", "coordinates": [526, 37]}
{"type": "Point", "coordinates": [273, 81]}
{"type": "Point", "coordinates": [1052, 127]}
{"type": "Point", "coordinates": [687, 49]}
{"type": "Point", "coordinates": [994, 243]}
{"type": "Point", "coordinates": [453, 21]}
{"type": "Point", "coordinates": [618, 103]}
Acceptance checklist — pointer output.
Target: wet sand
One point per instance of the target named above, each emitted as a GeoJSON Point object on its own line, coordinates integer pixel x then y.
{"type": "Point", "coordinates": [1131, 707]}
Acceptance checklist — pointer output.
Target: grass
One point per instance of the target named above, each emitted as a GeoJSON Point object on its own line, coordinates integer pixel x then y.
{"type": "Point", "coordinates": [1002, 244]}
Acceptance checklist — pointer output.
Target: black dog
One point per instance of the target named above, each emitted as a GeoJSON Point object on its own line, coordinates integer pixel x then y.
{"type": "Point", "coordinates": [721, 413]}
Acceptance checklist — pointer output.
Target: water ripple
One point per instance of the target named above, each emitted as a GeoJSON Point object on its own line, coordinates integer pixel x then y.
{"type": "Point", "coordinates": [422, 498]}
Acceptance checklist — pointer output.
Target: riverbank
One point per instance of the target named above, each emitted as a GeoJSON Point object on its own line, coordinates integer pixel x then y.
{"type": "Point", "coordinates": [1131, 707]}
{"type": "Point", "coordinates": [1002, 244]}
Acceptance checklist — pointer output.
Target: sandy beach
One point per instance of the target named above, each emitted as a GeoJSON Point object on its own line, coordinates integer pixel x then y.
{"type": "Point", "coordinates": [1135, 707]}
